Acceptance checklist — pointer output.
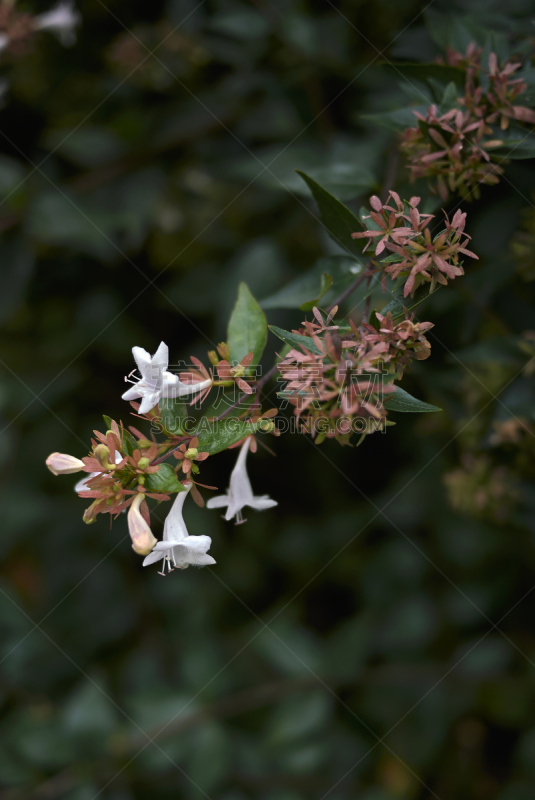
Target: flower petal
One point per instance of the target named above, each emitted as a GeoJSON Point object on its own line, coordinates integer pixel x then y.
{"type": "Point", "coordinates": [218, 502]}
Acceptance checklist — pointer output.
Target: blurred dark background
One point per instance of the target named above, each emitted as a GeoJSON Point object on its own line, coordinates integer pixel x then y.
{"type": "Point", "coordinates": [370, 637]}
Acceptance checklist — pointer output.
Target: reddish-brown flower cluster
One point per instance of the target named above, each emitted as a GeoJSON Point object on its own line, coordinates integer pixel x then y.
{"type": "Point", "coordinates": [117, 478]}
{"type": "Point", "coordinates": [414, 253]}
{"type": "Point", "coordinates": [337, 385]}
{"type": "Point", "coordinates": [228, 373]}
{"type": "Point", "coordinates": [405, 341]}
{"type": "Point", "coordinates": [187, 454]}
{"type": "Point", "coordinates": [451, 150]}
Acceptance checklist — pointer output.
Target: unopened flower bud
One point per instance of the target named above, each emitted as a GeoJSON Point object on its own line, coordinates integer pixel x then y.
{"type": "Point", "coordinates": [102, 454]}
{"type": "Point", "coordinates": [89, 515]}
{"type": "Point", "coordinates": [143, 462]}
{"type": "Point", "coordinates": [63, 464]}
{"type": "Point", "coordinates": [267, 425]}
{"type": "Point", "coordinates": [224, 350]}
{"type": "Point", "coordinates": [192, 453]}
{"type": "Point", "coordinates": [212, 357]}
{"type": "Point", "coordinates": [142, 539]}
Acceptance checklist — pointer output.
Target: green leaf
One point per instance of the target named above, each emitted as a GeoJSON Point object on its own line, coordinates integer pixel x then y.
{"type": "Point", "coordinates": [455, 30]}
{"type": "Point", "coordinates": [216, 436]}
{"type": "Point", "coordinates": [339, 221]}
{"type": "Point", "coordinates": [164, 481]}
{"type": "Point", "coordinates": [342, 271]}
{"type": "Point", "coordinates": [422, 72]}
{"type": "Point", "coordinates": [325, 284]}
{"type": "Point", "coordinates": [518, 143]}
{"type": "Point", "coordinates": [294, 339]}
{"type": "Point", "coordinates": [403, 402]}
{"type": "Point", "coordinates": [173, 416]}
{"type": "Point", "coordinates": [396, 120]}
{"type": "Point", "coordinates": [88, 712]}
{"type": "Point", "coordinates": [449, 98]}
{"type": "Point", "coordinates": [399, 304]}
{"type": "Point", "coordinates": [247, 328]}
{"type": "Point", "coordinates": [129, 443]}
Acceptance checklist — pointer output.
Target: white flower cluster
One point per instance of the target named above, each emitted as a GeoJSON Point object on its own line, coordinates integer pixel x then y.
{"type": "Point", "coordinates": [178, 549]}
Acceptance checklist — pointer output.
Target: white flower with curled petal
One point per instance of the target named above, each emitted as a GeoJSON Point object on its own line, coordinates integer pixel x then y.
{"type": "Point", "coordinates": [156, 382]}
{"type": "Point", "coordinates": [240, 493]}
{"type": "Point", "coordinates": [179, 549]}
{"type": "Point", "coordinates": [62, 20]}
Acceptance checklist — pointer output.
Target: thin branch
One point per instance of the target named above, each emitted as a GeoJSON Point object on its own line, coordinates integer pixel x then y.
{"type": "Point", "coordinates": [350, 289]}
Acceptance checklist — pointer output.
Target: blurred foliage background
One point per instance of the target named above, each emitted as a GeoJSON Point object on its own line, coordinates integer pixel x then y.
{"type": "Point", "coordinates": [370, 637]}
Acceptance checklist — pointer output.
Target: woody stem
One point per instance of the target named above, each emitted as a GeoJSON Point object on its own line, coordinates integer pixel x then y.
{"type": "Point", "coordinates": [350, 289]}
{"type": "Point", "coordinates": [172, 450]}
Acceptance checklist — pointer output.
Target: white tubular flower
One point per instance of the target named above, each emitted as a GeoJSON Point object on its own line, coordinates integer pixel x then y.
{"type": "Point", "coordinates": [179, 549]}
{"type": "Point", "coordinates": [63, 464]}
{"type": "Point", "coordinates": [62, 20]}
{"type": "Point", "coordinates": [142, 539]}
{"type": "Point", "coordinates": [240, 493]}
{"type": "Point", "coordinates": [156, 382]}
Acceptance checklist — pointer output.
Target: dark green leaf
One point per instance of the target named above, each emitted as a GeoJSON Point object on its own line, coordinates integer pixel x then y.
{"type": "Point", "coordinates": [449, 98]}
{"type": "Point", "coordinates": [338, 220]}
{"type": "Point", "coordinates": [454, 30]}
{"type": "Point", "coordinates": [294, 339]}
{"type": "Point", "coordinates": [518, 143]}
{"type": "Point", "coordinates": [404, 402]}
{"type": "Point", "coordinates": [342, 270]}
{"type": "Point", "coordinates": [325, 284]}
{"type": "Point", "coordinates": [129, 443]}
{"type": "Point", "coordinates": [399, 304]}
{"type": "Point", "coordinates": [397, 120]}
{"type": "Point", "coordinates": [216, 436]}
{"type": "Point", "coordinates": [247, 328]}
{"type": "Point", "coordinates": [164, 481]}
{"type": "Point", "coordinates": [422, 72]}
{"type": "Point", "coordinates": [173, 416]}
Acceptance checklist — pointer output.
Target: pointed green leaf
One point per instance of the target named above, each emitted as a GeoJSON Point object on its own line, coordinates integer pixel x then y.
{"type": "Point", "coordinates": [399, 304]}
{"type": "Point", "coordinates": [247, 328]}
{"type": "Point", "coordinates": [129, 444]}
{"type": "Point", "coordinates": [396, 120]}
{"type": "Point", "coordinates": [403, 402]}
{"type": "Point", "coordinates": [306, 291]}
{"type": "Point", "coordinates": [339, 221]}
{"type": "Point", "coordinates": [164, 481]}
{"type": "Point", "coordinates": [215, 436]}
{"type": "Point", "coordinates": [422, 72]}
{"type": "Point", "coordinates": [518, 142]}
{"type": "Point", "coordinates": [294, 339]}
{"type": "Point", "coordinates": [326, 282]}
{"type": "Point", "coordinates": [173, 416]}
